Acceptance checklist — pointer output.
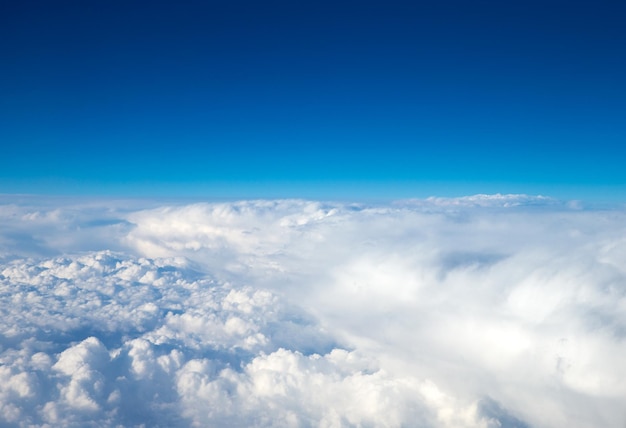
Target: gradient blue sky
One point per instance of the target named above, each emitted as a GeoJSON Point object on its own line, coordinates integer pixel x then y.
{"type": "Point", "coordinates": [313, 99]}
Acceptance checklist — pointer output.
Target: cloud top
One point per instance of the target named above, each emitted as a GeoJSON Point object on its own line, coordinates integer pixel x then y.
{"type": "Point", "coordinates": [438, 313]}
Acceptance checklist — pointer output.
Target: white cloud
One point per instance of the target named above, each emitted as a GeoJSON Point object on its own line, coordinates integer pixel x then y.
{"type": "Point", "coordinates": [503, 310]}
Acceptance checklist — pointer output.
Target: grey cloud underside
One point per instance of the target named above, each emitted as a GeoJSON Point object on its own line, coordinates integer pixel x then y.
{"type": "Point", "coordinates": [484, 311]}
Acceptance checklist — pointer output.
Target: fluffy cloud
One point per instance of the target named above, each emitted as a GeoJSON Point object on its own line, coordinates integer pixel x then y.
{"type": "Point", "coordinates": [485, 311]}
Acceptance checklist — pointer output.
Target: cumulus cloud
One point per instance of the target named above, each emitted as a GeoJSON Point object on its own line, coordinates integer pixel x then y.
{"type": "Point", "coordinates": [483, 311]}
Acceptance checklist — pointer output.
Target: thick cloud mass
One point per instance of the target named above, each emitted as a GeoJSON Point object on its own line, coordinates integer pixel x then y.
{"type": "Point", "coordinates": [484, 311]}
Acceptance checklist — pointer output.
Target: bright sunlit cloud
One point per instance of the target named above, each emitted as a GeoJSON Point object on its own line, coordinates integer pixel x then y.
{"type": "Point", "coordinates": [482, 311]}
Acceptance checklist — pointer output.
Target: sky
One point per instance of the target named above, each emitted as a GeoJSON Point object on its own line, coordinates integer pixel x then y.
{"type": "Point", "coordinates": [218, 99]}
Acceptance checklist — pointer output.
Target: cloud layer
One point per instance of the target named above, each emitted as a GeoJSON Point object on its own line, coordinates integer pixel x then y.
{"type": "Point", "coordinates": [485, 311]}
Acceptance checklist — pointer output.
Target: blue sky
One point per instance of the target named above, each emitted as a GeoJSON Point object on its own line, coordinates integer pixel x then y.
{"type": "Point", "coordinates": [313, 99]}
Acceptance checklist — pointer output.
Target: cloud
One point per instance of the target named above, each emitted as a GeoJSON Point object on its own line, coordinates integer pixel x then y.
{"type": "Point", "coordinates": [485, 201]}
{"type": "Point", "coordinates": [484, 311]}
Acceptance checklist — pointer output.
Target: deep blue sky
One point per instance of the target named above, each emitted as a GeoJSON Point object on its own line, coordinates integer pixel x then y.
{"type": "Point", "coordinates": [294, 98]}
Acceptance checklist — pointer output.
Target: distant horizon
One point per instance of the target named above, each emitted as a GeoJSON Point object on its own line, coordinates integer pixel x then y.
{"type": "Point", "coordinates": [314, 191]}
{"type": "Point", "coordinates": [156, 199]}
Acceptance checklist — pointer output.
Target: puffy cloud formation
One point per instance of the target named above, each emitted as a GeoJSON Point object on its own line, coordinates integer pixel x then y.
{"type": "Point", "coordinates": [484, 311]}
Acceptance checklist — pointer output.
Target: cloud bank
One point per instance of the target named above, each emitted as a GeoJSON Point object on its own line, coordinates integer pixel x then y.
{"type": "Point", "coordinates": [483, 311]}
